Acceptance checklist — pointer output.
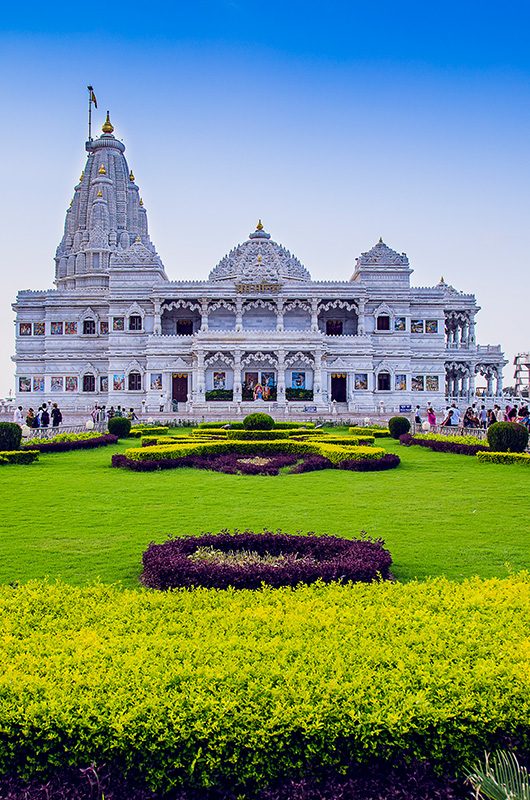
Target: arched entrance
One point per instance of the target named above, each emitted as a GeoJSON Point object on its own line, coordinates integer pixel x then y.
{"type": "Point", "coordinates": [338, 387]}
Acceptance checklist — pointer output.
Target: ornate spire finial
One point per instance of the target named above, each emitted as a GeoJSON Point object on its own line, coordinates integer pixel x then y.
{"type": "Point", "coordinates": [99, 194]}
{"type": "Point", "coordinates": [138, 239]}
{"type": "Point", "coordinates": [259, 259]}
{"type": "Point", "coordinates": [259, 226]}
{"type": "Point", "coordinates": [381, 240]}
{"type": "Point", "coordinates": [82, 176]}
{"type": "Point", "coordinates": [102, 170]}
{"type": "Point", "coordinates": [107, 126]}
{"type": "Point", "coordinates": [442, 279]}
{"type": "Point", "coordinates": [131, 176]}
{"type": "Point", "coordinates": [141, 202]}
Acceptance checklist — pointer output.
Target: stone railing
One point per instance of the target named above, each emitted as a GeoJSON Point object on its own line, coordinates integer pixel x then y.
{"type": "Point", "coordinates": [451, 430]}
{"type": "Point", "coordinates": [48, 433]}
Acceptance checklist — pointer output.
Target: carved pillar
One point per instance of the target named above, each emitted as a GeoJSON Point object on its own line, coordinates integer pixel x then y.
{"type": "Point", "coordinates": [498, 389]}
{"type": "Point", "coordinates": [489, 383]}
{"type": "Point", "coordinates": [279, 314]}
{"type": "Point", "coordinates": [204, 314]}
{"type": "Point", "coordinates": [237, 376]}
{"type": "Point", "coordinates": [472, 383]}
{"type": "Point", "coordinates": [157, 323]}
{"type": "Point", "coordinates": [314, 314]}
{"type": "Point", "coordinates": [317, 377]}
{"type": "Point", "coordinates": [239, 313]}
{"type": "Point", "coordinates": [361, 325]}
{"type": "Point", "coordinates": [200, 394]}
{"type": "Point", "coordinates": [463, 333]}
{"type": "Point", "coordinates": [472, 331]}
{"type": "Point", "coordinates": [281, 375]}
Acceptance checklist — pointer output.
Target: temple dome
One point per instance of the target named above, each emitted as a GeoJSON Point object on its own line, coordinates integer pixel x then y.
{"type": "Point", "coordinates": [259, 259]}
{"type": "Point", "coordinates": [382, 255]}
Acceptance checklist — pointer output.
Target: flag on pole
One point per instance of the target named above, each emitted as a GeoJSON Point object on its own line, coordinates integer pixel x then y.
{"type": "Point", "coordinates": [92, 96]}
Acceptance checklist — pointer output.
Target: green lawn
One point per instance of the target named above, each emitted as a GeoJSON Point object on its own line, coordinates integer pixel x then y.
{"type": "Point", "coordinates": [72, 516]}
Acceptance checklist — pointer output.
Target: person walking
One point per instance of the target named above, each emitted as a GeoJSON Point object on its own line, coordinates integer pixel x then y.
{"type": "Point", "coordinates": [18, 416]}
{"type": "Point", "coordinates": [483, 417]}
{"type": "Point", "coordinates": [31, 419]}
{"type": "Point", "coordinates": [44, 416]}
{"type": "Point", "coordinates": [431, 416]}
{"type": "Point", "coordinates": [56, 416]}
{"type": "Point", "coordinates": [417, 416]}
{"type": "Point", "coordinates": [456, 415]}
{"type": "Point", "coordinates": [491, 418]}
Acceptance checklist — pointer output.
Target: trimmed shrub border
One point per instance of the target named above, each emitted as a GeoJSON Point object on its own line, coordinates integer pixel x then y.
{"type": "Point", "coordinates": [148, 430]}
{"type": "Point", "coordinates": [487, 457]}
{"type": "Point", "coordinates": [234, 463]}
{"type": "Point", "coordinates": [358, 430]}
{"type": "Point", "coordinates": [18, 456]}
{"type": "Point", "coordinates": [377, 780]}
{"type": "Point", "coordinates": [308, 558]}
{"type": "Point", "coordinates": [61, 446]}
{"type": "Point", "coordinates": [444, 446]}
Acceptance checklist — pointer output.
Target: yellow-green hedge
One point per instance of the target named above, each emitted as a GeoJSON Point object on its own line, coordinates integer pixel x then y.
{"type": "Point", "coordinates": [504, 458]}
{"type": "Point", "coordinates": [18, 456]}
{"type": "Point", "coordinates": [358, 430]}
{"type": "Point", "coordinates": [148, 430]}
{"type": "Point", "coordinates": [336, 453]}
{"type": "Point", "coordinates": [238, 688]}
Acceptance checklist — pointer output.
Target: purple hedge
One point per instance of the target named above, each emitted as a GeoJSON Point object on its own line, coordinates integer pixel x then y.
{"type": "Point", "coordinates": [443, 447]}
{"type": "Point", "coordinates": [376, 781]}
{"type": "Point", "coordinates": [306, 559]}
{"type": "Point", "coordinates": [45, 446]}
{"type": "Point", "coordinates": [234, 463]}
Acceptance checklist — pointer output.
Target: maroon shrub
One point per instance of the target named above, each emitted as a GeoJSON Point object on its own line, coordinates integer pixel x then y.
{"type": "Point", "coordinates": [443, 447]}
{"type": "Point", "coordinates": [45, 446]}
{"type": "Point", "coordinates": [306, 559]}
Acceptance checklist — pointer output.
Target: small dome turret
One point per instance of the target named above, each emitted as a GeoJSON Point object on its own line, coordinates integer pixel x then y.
{"type": "Point", "coordinates": [259, 259]}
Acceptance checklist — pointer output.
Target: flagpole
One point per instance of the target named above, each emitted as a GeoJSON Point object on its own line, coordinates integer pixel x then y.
{"type": "Point", "coordinates": [89, 113]}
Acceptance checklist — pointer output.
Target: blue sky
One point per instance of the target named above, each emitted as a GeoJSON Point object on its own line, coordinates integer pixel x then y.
{"type": "Point", "coordinates": [336, 123]}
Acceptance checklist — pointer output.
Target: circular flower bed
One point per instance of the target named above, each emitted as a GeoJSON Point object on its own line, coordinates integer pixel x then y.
{"type": "Point", "coordinates": [247, 560]}
{"type": "Point", "coordinates": [234, 463]}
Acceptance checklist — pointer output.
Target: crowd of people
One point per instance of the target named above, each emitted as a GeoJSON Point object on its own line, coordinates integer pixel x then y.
{"type": "Point", "coordinates": [474, 416]}
{"type": "Point", "coordinates": [42, 418]}
{"type": "Point", "coordinates": [49, 415]}
{"type": "Point", "coordinates": [103, 414]}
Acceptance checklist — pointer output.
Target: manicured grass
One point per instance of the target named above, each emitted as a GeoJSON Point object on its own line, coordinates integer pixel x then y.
{"type": "Point", "coordinates": [71, 516]}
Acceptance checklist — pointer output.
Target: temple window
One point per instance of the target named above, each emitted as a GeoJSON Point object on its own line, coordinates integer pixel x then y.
{"type": "Point", "coordinates": [89, 327]}
{"type": "Point", "coordinates": [334, 327]}
{"type": "Point", "coordinates": [383, 322]}
{"type": "Point", "coordinates": [184, 327]}
{"type": "Point", "coordinates": [383, 382]}
{"type": "Point", "coordinates": [135, 382]}
{"type": "Point", "coordinates": [89, 383]}
{"type": "Point", "coordinates": [135, 322]}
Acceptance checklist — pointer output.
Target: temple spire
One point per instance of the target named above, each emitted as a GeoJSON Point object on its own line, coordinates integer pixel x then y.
{"type": "Point", "coordinates": [107, 126]}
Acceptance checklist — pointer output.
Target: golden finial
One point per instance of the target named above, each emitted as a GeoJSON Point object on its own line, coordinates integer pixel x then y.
{"type": "Point", "coordinates": [102, 170]}
{"type": "Point", "coordinates": [141, 202]}
{"type": "Point", "coordinates": [71, 203]}
{"type": "Point", "coordinates": [138, 239]}
{"type": "Point", "coordinates": [259, 259]}
{"type": "Point", "coordinates": [107, 126]}
{"type": "Point", "coordinates": [99, 194]}
{"type": "Point", "coordinates": [131, 176]}
{"type": "Point", "coordinates": [259, 226]}
{"type": "Point", "coordinates": [82, 176]}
